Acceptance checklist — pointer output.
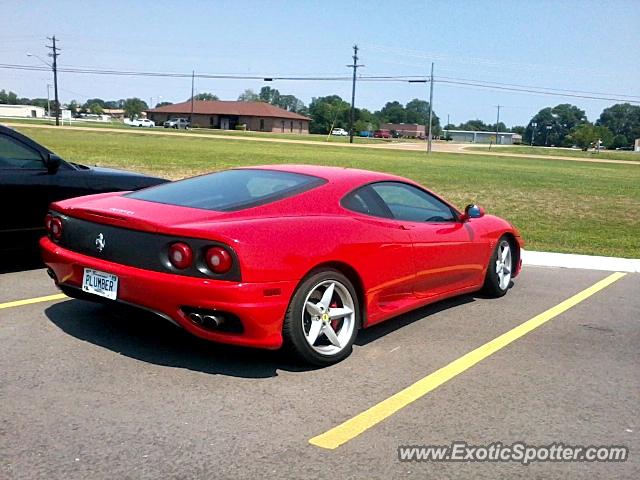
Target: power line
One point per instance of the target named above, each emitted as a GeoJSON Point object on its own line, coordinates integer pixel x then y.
{"type": "Point", "coordinates": [539, 88]}
{"type": "Point", "coordinates": [545, 91]}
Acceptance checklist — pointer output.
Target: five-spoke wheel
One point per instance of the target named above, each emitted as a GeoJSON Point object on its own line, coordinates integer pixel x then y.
{"type": "Point", "coordinates": [498, 278]}
{"type": "Point", "coordinates": [323, 318]}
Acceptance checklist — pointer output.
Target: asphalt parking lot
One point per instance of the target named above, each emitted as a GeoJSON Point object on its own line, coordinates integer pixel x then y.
{"type": "Point", "coordinates": [89, 392]}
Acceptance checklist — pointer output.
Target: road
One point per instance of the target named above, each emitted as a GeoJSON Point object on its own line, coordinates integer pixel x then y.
{"type": "Point", "coordinates": [89, 392]}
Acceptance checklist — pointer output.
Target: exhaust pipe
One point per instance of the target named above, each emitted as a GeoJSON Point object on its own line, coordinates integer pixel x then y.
{"type": "Point", "coordinates": [52, 275]}
{"type": "Point", "coordinates": [196, 318]}
{"type": "Point", "coordinates": [213, 320]}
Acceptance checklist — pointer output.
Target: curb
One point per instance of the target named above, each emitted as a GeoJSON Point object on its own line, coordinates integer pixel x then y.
{"type": "Point", "coordinates": [587, 262]}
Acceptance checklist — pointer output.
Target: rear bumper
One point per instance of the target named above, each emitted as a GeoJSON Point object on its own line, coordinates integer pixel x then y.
{"type": "Point", "coordinates": [260, 307]}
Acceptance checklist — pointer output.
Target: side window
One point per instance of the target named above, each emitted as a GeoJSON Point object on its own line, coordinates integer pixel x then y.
{"type": "Point", "coordinates": [16, 155]}
{"type": "Point", "coordinates": [409, 203]}
{"type": "Point", "coordinates": [365, 200]}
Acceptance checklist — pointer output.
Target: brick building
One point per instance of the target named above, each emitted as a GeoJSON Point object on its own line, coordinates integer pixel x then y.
{"type": "Point", "coordinates": [226, 115]}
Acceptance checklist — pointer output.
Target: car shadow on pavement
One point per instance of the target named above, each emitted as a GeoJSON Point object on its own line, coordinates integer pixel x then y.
{"type": "Point", "coordinates": [375, 332]}
{"type": "Point", "coordinates": [149, 338]}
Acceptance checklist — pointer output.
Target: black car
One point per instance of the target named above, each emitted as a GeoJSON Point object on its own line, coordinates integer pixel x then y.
{"type": "Point", "coordinates": [32, 176]}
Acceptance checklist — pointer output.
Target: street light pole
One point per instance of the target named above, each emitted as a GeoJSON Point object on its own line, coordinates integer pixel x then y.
{"type": "Point", "coordinates": [193, 79]}
{"type": "Point", "coordinates": [498, 124]}
{"type": "Point", "coordinates": [533, 131]}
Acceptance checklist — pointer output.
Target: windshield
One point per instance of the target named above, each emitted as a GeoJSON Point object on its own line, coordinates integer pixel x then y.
{"type": "Point", "coordinates": [230, 190]}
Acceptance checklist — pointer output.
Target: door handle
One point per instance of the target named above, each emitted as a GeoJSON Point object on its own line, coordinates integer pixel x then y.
{"type": "Point", "coordinates": [406, 227]}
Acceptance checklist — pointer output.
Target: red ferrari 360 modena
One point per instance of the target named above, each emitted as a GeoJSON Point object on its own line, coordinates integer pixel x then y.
{"type": "Point", "coordinates": [296, 256]}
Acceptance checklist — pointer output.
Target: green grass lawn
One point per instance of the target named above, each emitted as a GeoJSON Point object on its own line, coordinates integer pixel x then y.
{"type": "Point", "coordinates": [229, 133]}
{"type": "Point", "coordinates": [564, 152]}
{"type": "Point", "coordinates": [558, 206]}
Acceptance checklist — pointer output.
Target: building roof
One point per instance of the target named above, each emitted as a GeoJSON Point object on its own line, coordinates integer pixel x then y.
{"type": "Point", "coordinates": [479, 131]}
{"type": "Point", "coordinates": [223, 107]}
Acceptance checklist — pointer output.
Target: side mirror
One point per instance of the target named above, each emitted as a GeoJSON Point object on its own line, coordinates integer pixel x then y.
{"type": "Point", "coordinates": [53, 162]}
{"type": "Point", "coordinates": [472, 211]}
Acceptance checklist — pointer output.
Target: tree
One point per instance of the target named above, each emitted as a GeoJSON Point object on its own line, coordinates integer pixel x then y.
{"type": "Point", "coordinates": [417, 111]}
{"type": "Point", "coordinates": [393, 112]}
{"type": "Point", "coordinates": [623, 120]}
{"type": "Point", "coordinates": [8, 98]}
{"type": "Point", "coordinates": [476, 125]}
{"type": "Point", "coordinates": [560, 119]}
{"type": "Point", "coordinates": [163, 104]}
{"type": "Point", "coordinates": [365, 120]}
{"type": "Point", "coordinates": [519, 129]}
{"type": "Point", "coordinates": [290, 102]}
{"type": "Point", "coordinates": [588, 135]}
{"type": "Point", "coordinates": [328, 112]}
{"type": "Point", "coordinates": [97, 101]}
{"type": "Point", "coordinates": [269, 95]}
{"type": "Point", "coordinates": [133, 107]}
{"type": "Point", "coordinates": [249, 96]}
{"type": "Point", "coordinates": [73, 106]}
{"type": "Point", "coordinates": [39, 102]}
{"type": "Point", "coordinates": [205, 96]}
{"type": "Point", "coordinates": [95, 108]}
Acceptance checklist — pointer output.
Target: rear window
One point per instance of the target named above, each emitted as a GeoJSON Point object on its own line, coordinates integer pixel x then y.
{"type": "Point", "coordinates": [230, 190]}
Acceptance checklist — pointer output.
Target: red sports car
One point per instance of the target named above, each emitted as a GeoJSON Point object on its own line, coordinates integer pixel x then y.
{"type": "Point", "coordinates": [295, 256]}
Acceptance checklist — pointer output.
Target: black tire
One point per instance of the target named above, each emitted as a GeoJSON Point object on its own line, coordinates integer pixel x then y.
{"type": "Point", "coordinates": [492, 286]}
{"type": "Point", "coordinates": [295, 341]}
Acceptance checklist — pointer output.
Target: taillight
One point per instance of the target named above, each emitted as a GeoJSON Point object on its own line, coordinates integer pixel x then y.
{"type": "Point", "coordinates": [219, 260]}
{"type": "Point", "coordinates": [180, 255]}
{"type": "Point", "coordinates": [56, 228]}
{"type": "Point", "coordinates": [47, 222]}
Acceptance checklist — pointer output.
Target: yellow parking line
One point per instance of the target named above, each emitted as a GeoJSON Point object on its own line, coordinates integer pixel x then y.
{"type": "Point", "coordinates": [360, 423]}
{"type": "Point", "coordinates": [19, 303]}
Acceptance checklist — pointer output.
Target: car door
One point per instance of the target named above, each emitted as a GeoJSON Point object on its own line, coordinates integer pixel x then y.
{"type": "Point", "coordinates": [27, 188]}
{"type": "Point", "coordinates": [384, 256]}
{"type": "Point", "coordinates": [23, 182]}
{"type": "Point", "coordinates": [446, 255]}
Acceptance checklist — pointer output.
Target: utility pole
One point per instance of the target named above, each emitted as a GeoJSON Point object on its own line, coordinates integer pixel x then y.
{"type": "Point", "coordinates": [430, 110]}
{"type": "Point", "coordinates": [54, 54]}
{"type": "Point", "coordinates": [48, 100]}
{"type": "Point", "coordinates": [355, 67]}
{"type": "Point", "coordinates": [497, 124]}
{"type": "Point", "coordinates": [193, 78]}
{"type": "Point", "coordinates": [448, 122]}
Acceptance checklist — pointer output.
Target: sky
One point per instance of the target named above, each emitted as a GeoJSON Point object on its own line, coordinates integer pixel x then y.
{"type": "Point", "coordinates": [589, 46]}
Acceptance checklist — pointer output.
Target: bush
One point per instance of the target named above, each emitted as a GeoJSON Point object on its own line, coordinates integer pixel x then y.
{"type": "Point", "coordinates": [619, 141]}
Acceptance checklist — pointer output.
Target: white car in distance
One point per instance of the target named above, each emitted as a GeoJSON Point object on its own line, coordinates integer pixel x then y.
{"type": "Point", "coordinates": [340, 132]}
{"type": "Point", "coordinates": [141, 122]}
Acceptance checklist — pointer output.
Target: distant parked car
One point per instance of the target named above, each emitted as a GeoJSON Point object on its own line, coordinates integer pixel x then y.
{"type": "Point", "coordinates": [177, 123]}
{"type": "Point", "coordinates": [366, 133]}
{"type": "Point", "coordinates": [142, 122]}
{"type": "Point", "coordinates": [382, 134]}
{"type": "Point", "coordinates": [340, 132]}
{"type": "Point", "coordinates": [32, 176]}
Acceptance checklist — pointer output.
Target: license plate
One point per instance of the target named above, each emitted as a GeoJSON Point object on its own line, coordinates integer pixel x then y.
{"type": "Point", "coordinates": [100, 283]}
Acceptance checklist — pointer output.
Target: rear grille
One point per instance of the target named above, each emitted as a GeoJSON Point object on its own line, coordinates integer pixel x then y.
{"type": "Point", "coordinates": [134, 248]}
